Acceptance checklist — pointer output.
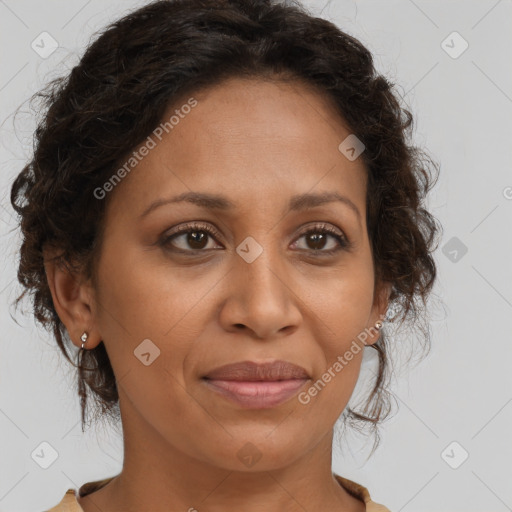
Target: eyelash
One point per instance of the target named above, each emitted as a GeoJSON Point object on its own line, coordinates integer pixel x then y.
{"type": "Point", "coordinates": [344, 243]}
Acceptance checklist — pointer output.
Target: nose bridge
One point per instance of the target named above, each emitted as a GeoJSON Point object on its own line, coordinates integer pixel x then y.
{"type": "Point", "coordinates": [260, 297]}
{"type": "Point", "coordinates": [259, 266]}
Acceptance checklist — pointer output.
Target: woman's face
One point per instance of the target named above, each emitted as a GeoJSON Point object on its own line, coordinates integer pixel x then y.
{"type": "Point", "coordinates": [257, 289]}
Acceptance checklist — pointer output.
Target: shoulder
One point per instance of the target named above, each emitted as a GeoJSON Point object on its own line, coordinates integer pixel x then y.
{"type": "Point", "coordinates": [362, 493]}
{"type": "Point", "coordinates": [67, 504]}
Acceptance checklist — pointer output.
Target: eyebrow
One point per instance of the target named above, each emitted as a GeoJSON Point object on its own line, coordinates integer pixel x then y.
{"type": "Point", "coordinates": [218, 202]}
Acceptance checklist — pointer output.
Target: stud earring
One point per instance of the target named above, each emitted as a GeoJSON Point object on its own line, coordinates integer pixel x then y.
{"type": "Point", "coordinates": [84, 340]}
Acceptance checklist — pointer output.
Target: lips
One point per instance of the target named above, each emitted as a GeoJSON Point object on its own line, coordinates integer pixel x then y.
{"type": "Point", "coordinates": [250, 371]}
{"type": "Point", "coordinates": [252, 385]}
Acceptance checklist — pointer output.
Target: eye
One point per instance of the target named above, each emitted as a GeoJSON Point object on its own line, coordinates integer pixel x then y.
{"type": "Point", "coordinates": [317, 237]}
{"type": "Point", "coordinates": [193, 237]}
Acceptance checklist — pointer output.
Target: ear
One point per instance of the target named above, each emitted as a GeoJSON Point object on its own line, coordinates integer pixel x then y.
{"type": "Point", "coordinates": [380, 306]}
{"type": "Point", "coordinates": [72, 298]}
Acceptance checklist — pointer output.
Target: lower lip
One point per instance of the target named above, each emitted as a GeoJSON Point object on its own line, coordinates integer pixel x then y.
{"type": "Point", "coordinates": [256, 394]}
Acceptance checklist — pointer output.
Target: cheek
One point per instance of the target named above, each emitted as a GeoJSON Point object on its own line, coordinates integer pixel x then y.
{"type": "Point", "coordinates": [147, 323]}
{"type": "Point", "coordinates": [342, 302]}
{"type": "Point", "coordinates": [342, 306]}
{"type": "Point", "coordinates": [144, 298]}
{"type": "Point", "coordinates": [342, 351]}
{"type": "Point", "coordinates": [140, 301]}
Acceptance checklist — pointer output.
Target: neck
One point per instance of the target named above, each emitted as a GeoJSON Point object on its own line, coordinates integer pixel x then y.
{"type": "Point", "coordinates": [158, 475]}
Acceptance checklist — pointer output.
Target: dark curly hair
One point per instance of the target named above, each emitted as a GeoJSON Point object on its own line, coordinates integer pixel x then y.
{"type": "Point", "coordinates": [118, 93]}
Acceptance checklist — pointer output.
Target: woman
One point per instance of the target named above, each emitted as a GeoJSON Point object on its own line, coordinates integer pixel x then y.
{"type": "Point", "coordinates": [221, 208]}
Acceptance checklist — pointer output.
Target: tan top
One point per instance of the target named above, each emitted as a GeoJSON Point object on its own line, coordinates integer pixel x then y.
{"type": "Point", "coordinates": [69, 502]}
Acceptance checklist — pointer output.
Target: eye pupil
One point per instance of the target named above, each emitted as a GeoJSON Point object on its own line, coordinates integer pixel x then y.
{"type": "Point", "coordinates": [196, 238]}
{"type": "Point", "coordinates": [318, 240]}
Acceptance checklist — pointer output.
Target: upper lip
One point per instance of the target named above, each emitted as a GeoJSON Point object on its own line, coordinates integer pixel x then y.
{"type": "Point", "coordinates": [253, 371]}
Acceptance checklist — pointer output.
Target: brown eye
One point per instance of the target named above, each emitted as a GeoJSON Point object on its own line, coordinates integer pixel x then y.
{"type": "Point", "coordinates": [196, 239]}
{"type": "Point", "coordinates": [317, 240]}
{"type": "Point", "coordinates": [190, 238]}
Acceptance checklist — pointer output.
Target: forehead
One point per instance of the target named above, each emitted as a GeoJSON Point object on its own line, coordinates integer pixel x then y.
{"type": "Point", "coordinates": [252, 140]}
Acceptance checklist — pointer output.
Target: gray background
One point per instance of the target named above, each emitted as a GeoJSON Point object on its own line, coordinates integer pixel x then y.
{"type": "Point", "coordinates": [461, 393]}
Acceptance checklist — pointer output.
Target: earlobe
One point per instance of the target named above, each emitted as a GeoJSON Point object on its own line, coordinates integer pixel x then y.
{"type": "Point", "coordinates": [380, 307]}
{"type": "Point", "coordinates": [383, 300]}
{"type": "Point", "coordinates": [71, 300]}
{"type": "Point", "coordinates": [374, 333]}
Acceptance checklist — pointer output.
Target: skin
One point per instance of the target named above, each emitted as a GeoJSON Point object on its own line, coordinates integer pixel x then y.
{"type": "Point", "coordinates": [257, 143]}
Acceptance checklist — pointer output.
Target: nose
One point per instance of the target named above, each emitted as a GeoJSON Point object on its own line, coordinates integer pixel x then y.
{"type": "Point", "coordinates": [261, 298]}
